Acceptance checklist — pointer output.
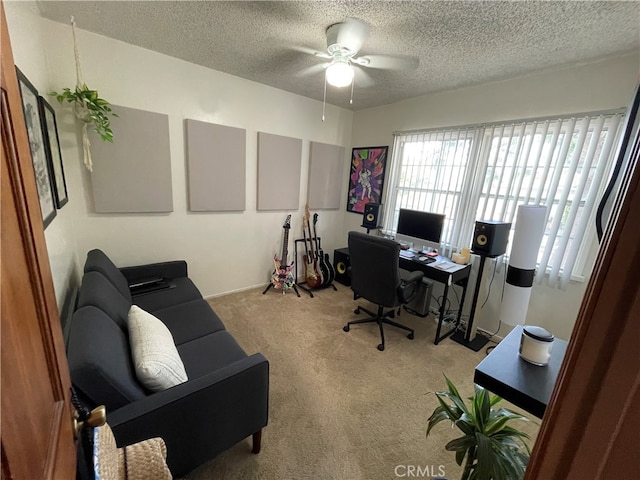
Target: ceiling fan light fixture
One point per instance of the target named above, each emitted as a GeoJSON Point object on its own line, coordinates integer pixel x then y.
{"type": "Point", "coordinates": [339, 74]}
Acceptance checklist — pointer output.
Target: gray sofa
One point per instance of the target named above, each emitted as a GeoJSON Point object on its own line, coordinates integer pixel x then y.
{"type": "Point", "coordinates": [226, 397]}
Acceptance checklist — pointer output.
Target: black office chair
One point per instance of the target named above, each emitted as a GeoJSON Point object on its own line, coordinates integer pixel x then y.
{"type": "Point", "coordinates": [375, 276]}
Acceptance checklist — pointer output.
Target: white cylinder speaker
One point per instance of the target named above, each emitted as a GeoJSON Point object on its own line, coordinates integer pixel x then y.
{"type": "Point", "coordinates": [529, 229]}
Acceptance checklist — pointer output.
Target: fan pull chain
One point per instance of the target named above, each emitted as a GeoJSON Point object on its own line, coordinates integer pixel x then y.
{"type": "Point", "coordinates": [353, 82]}
{"type": "Point", "coordinates": [324, 97]}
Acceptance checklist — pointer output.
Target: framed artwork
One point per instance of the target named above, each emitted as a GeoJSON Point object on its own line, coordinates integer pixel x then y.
{"type": "Point", "coordinates": [54, 154]}
{"type": "Point", "coordinates": [366, 179]}
{"type": "Point", "coordinates": [38, 149]}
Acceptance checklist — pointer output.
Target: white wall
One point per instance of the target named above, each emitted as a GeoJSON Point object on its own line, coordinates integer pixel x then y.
{"type": "Point", "coordinates": [225, 251]}
{"type": "Point", "coordinates": [29, 45]}
{"type": "Point", "coordinates": [601, 85]}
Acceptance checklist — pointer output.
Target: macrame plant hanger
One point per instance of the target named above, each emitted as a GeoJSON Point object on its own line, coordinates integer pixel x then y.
{"type": "Point", "coordinates": [81, 113]}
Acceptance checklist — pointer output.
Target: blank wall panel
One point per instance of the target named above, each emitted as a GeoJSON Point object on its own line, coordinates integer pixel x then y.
{"type": "Point", "coordinates": [279, 164]}
{"type": "Point", "coordinates": [216, 161]}
{"type": "Point", "coordinates": [326, 167]}
{"type": "Point", "coordinates": [133, 174]}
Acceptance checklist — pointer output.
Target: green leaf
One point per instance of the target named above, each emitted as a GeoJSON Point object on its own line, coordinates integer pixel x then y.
{"type": "Point", "coordinates": [452, 413]}
{"type": "Point", "coordinates": [466, 424]}
{"type": "Point", "coordinates": [485, 405]}
{"type": "Point", "coordinates": [485, 456]}
{"type": "Point", "coordinates": [455, 395]}
{"type": "Point", "coordinates": [513, 432]}
{"type": "Point", "coordinates": [461, 443]}
{"type": "Point", "coordinates": [495, 425]}
{"type": "Point", "coordinates": [437, 417]}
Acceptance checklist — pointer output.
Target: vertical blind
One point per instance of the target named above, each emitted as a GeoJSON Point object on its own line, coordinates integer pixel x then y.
{"type": "Point", "coordinates": [485, 172]}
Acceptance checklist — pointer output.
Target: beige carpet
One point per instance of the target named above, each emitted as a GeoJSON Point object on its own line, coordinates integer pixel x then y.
{"type": "Point", "coordinates": [339, 408]}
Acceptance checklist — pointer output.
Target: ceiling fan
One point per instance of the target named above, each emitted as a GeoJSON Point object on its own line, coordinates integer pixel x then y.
{"type": "Point", "coordinates": [344, 41]}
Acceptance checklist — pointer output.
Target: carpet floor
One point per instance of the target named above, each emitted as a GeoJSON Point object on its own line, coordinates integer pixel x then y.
{"type": "Point", "coordinates": [339, 408]}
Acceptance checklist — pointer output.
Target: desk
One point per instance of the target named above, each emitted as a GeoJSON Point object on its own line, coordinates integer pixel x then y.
{"type": "Point", "coordinates": [528, 386]}
{"type": "Point", "coordinates": [459, 277]}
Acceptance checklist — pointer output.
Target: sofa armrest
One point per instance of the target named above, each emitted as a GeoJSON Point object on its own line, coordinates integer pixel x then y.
{"type": "Point", "coordinates": [160, 271]}
{"type": "Point", "coordinates": [202, 417]}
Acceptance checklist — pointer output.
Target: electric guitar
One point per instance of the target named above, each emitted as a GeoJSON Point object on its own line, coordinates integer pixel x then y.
{"type": "Point", "coordinates": [311, 274]}
{"type": "Point", "coordinates": [283, 277]}
{"type": "Point", "coordinates": [328, 272]}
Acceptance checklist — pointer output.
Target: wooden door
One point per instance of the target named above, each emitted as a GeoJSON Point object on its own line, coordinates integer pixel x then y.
{"type": "Point", "coordinates": [37, 436]}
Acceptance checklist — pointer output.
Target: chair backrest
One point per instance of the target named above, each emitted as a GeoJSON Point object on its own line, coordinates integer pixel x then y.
{"type": "Point", "coordinates": [375, 274]}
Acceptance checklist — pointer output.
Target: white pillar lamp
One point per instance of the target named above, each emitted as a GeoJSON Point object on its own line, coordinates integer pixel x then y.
{"type": "Point", "coordinates": [529, 230]}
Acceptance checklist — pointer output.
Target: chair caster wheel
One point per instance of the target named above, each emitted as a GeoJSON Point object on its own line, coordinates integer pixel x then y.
{"type": "Point", "coordinates": [410, 336]}
{"type": "Point", "coordinates": [381, 347]}
{"type": "Point", "coordinates": [356, 311]}
{"type": "Point", "coordinates": [345, 328]}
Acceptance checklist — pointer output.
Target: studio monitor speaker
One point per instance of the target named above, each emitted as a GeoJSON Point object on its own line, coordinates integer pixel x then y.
{"type": "Point", "coordinates": [372, 215]}
{"type": "Point", "coordinates": [341, 263]}
{"type": "Point", "coordinates": [490, 238]}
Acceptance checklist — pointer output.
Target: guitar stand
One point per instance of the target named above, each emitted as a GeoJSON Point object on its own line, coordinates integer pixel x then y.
{"type": "Point", "coordinates": [294, 286]}
{"type": "Point", "coordinates": [302, 284]}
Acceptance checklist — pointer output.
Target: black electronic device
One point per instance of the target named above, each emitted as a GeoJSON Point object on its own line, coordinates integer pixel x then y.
{"type": "Point", "coordinates": [372, 215]}
{"type": "Point", "coordinates": [424, 226]}
{"type": "Point", "coordinates": [341, 263]}
{"type": "Point", "coordinates": [490, 238]}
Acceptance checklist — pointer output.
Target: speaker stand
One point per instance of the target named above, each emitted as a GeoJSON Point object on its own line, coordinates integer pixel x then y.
{"type": "Point", "coordinates": [476, 344]}
{"type": "Point", "coordinates": [479, 341]}
{"type": "Point", "coordinates": [370, 228]}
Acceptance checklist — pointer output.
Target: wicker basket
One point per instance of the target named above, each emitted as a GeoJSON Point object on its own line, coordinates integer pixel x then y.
{"type": "Point", "coordinates": [144, 460]}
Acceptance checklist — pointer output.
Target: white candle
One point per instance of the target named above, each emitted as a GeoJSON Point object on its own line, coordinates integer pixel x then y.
{"type": "Point", "coordinates": [535, 345]}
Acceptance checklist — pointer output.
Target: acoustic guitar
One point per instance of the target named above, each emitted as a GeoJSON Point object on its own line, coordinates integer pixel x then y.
{"type": "Point", "coordinates": [283, 277]}
{"type": "Point", "coordinates": [311, 274]}
{"type": "Point", "coordinates": [328, 272]}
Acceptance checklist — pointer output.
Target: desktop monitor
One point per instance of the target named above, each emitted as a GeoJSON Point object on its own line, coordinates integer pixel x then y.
{"type": "Point", "coordinates": [424, 229]}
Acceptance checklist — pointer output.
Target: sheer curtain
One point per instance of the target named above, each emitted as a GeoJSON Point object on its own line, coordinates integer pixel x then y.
{"type": "Point", "coordinates": [484, 172]}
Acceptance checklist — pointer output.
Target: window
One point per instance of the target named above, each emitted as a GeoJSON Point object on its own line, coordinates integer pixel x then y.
{"type": "Point", "coordinates": [485, 172]}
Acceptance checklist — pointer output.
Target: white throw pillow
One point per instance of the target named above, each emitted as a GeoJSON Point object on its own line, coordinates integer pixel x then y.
{"type": "Point", "coordinates": [155, 357]}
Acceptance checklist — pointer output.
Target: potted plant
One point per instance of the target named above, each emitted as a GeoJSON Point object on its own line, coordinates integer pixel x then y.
{"type": "Point", "coordinates": [489, 447]}
{"type": "Point", "coordinates": [90, 108]}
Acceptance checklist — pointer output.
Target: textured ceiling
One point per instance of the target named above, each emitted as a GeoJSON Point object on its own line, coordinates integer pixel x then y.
{"type": "Point", "coordinates": [458, 43]}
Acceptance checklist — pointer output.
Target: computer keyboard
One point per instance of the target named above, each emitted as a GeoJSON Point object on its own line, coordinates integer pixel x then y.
{"type": "Point", "coordinates": [418, 257]}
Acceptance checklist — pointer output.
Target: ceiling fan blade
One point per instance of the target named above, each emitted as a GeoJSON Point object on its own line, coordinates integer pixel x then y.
{"type": "Point", "coordinates": [362, 78]}
{"type": "Point", "coordinates": [388, 62]}
{"type": "Point", "coordinates": [312, 70]}
{"type": "Point", "coordinates": [310, 51]}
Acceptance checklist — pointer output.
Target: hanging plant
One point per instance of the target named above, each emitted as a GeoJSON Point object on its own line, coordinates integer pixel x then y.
{"type": "Point", "coordinates": [87, 105]}
{"type": "Point", "coordinates": [89, 108]}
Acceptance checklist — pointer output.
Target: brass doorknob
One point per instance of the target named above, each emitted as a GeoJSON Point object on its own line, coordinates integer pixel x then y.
{"type": "Point", "coordinates": [96, 418]}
